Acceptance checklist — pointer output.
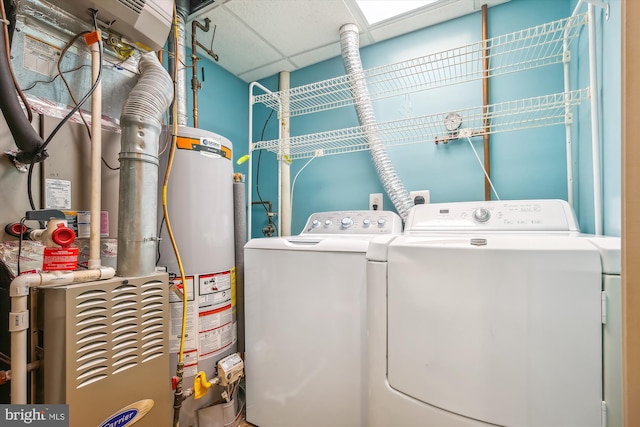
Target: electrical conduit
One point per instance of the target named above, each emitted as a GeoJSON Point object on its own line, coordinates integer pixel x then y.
{"type": "Point", "coordinates": [141, 126]}
{"type": "Point", "coordinates": [349, 43]}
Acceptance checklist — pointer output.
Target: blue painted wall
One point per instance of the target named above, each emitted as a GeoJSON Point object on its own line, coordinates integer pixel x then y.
{"type": "Point", "coordinates": [525, 164]}
{"type": "Point", "coordinates": [608, 53]}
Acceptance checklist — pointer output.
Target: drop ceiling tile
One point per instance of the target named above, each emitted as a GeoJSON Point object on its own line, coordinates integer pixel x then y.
{"type": "Point", "coordinates": [294, 26]}
{"type": "Point", "coordinates": [267, 70]}
{"type": "Point", "coordinates": [238, 49]}
{"type": "Point", "coordinates": [317, 55]}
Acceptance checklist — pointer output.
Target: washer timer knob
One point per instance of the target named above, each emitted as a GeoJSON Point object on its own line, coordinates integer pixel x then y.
{"type": "Point", "coordinates": [481, 214]}
{"type": "Point", "coordinates": [346, 222]}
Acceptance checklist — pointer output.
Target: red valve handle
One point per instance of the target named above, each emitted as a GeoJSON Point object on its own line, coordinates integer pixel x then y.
{"type": "Point", "coordinates": [63, 236]}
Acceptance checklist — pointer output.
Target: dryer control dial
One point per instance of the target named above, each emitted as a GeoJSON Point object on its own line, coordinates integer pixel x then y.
{"type": "Point", "coordinates": [346, 222]}
{"type": "Point", "coordinates": [481, 214]}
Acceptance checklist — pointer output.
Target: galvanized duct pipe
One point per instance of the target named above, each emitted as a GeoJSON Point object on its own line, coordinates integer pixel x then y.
{"type": "Point", "coordinates": [182, 11]}
{"type": "Point", "coordinates": [349, 43]}
{"type": "Point", "coordinates": [137, 209]}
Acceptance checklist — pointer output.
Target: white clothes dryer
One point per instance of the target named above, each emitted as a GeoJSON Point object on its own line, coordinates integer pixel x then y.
{"type": "Point", "coordinates": [488, 313]}
{"type": "Point", "coordinates": [305, 321]}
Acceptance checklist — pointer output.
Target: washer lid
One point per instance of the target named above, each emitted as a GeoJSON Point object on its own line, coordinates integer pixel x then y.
{"type": "Point", "coordinates": [506, 330]}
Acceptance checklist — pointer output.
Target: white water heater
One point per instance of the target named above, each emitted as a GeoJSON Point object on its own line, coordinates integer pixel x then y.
{"type": "Point", "coordinates": [200, 205]}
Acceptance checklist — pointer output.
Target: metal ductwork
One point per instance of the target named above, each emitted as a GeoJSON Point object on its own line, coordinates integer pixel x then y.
{"type": "Point", "coordinates": [350, 46]}
{"type": "Point", "coordinates": [141, 126]}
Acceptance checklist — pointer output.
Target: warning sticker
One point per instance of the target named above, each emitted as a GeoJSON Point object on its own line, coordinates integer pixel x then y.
{"type": "Point", "coordinates": [215, 341]}
{"type": "Point", "coordinates": [57, 194]}
{"type": "Point", "coordinates": [56, 259]}
{"type": "Point", "coordinates": [175, 333]}
{"type": "Point", "coordinates": [190, 359]}
{"type": "Point", "coordinates": [40, 56]}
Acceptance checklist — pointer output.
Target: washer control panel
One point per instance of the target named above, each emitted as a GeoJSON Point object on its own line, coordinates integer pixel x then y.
{"type": "Point", "coordinates": [512, 215]}
{"type": "Point", "coordinates": [353, 222]}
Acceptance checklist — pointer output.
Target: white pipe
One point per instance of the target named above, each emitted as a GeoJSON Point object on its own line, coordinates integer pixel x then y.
{"type": "Point", "coordinates": [96, 159]}
{"type": "Point", "coordinates": [567, 110]}
{"type": "Point", "coordinates": [595, 128]}
{"type": "Point", "coordinates": [575, 10]}
{"type": "Point", "coordinates": [284, 217]}
{"type": "Point", "coordinates": [250, 151]}
{"type": "Point", "coordinates": [19, 318]}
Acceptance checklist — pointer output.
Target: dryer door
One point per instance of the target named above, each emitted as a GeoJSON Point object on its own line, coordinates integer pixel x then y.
{"type": "Point", "coordinates": [507, 332]}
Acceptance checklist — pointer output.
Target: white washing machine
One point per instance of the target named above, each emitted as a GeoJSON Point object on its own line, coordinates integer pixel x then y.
{"type": "Point", "coordinates": [491, 313]}
{"type": "Point", "coordinates": [305, 321]}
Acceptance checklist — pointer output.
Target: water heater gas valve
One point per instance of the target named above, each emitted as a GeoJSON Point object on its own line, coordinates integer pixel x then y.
{"type": "Point", "coordinates": [230, 369]}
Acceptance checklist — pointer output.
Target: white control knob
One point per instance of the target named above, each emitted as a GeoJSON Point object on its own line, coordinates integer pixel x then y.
{"type": "Point", "coordinates": [346, 222]}
{"type": "Point", "coordinates": [327, 223]}
{"type": "Point", "coordinates": [366, 222]}
{"type": "Point", "coordinates": [481, 215]}
{"type": "Point", "coordinates": [381, 222]}
{"type": "Point", "coordinates": [315, 223]}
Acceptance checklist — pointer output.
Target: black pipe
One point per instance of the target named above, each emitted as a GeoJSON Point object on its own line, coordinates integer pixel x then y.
{"type": "Point", "coordinates": [24, 135]}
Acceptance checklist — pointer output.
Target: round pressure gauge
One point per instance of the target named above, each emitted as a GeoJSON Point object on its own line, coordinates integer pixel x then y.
{"type": "Point", "coordinates": [453, 121]}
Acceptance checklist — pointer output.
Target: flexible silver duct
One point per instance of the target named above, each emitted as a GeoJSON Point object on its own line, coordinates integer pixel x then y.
{"type": "Point", "coordinates": [137, 208]}
{"type": "Point", "coordinates": [349, 44]}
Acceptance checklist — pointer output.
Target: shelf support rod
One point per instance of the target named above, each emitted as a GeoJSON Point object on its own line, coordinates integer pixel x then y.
{"type": "Point", "coordinates": [567, 112]}
{"type": "Point", "coordinates": [595, 126]}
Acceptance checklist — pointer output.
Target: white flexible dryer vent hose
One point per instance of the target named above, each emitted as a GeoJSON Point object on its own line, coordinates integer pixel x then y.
{"type": "Point", "coordinates": [349, 43]}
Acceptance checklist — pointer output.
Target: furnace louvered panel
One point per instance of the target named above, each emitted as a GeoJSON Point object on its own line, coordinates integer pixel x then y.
{"type": "Point", "coordinates": [104, 339]}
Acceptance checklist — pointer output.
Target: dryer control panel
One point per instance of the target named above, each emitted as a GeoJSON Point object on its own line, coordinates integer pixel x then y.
{"type": "Point", "coordinates": [506, 215]}
{"type": "Point", "coordinates": [353, 222]}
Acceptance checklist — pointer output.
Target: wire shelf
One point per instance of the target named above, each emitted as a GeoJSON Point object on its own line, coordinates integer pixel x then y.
{"type": "Point", "coordinates": [534, 47]}
{"type": "Point", "coordinates": [547, 110]}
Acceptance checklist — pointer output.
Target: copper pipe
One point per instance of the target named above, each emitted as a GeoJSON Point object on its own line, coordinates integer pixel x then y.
{"type": "Point", "coordinates": [485, 102]}
{"type": "Point", "coordinates": [5, 376]}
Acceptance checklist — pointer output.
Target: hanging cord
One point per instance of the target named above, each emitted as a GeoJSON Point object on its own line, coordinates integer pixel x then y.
{"type": "Point", "coordinates": [482, 166]}
{"type": "Point", "coordinates": [293, 184]}
{"type": "Point", "coordinates": [65, 119]}
{"type": "Point", "coordinates": [66, 83]}
{"type": "Point", "coordinates": [178, 396]}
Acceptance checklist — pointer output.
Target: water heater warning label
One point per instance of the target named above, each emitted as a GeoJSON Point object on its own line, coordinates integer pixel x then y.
{"type": "Point", "coordinates": [215, 314]}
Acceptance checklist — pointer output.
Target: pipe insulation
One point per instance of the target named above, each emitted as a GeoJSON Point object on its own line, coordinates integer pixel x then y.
{"type": "Point", "coordinates": [141, 126]}
{"type": "Point", "coordinates": [180, 50]}
{"type": "Point", "coordinates": [25, 136]}
{"type": "Point", "coordinates": [349, 45]}
{"type": "Point", "coordinates": [240, 239]}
